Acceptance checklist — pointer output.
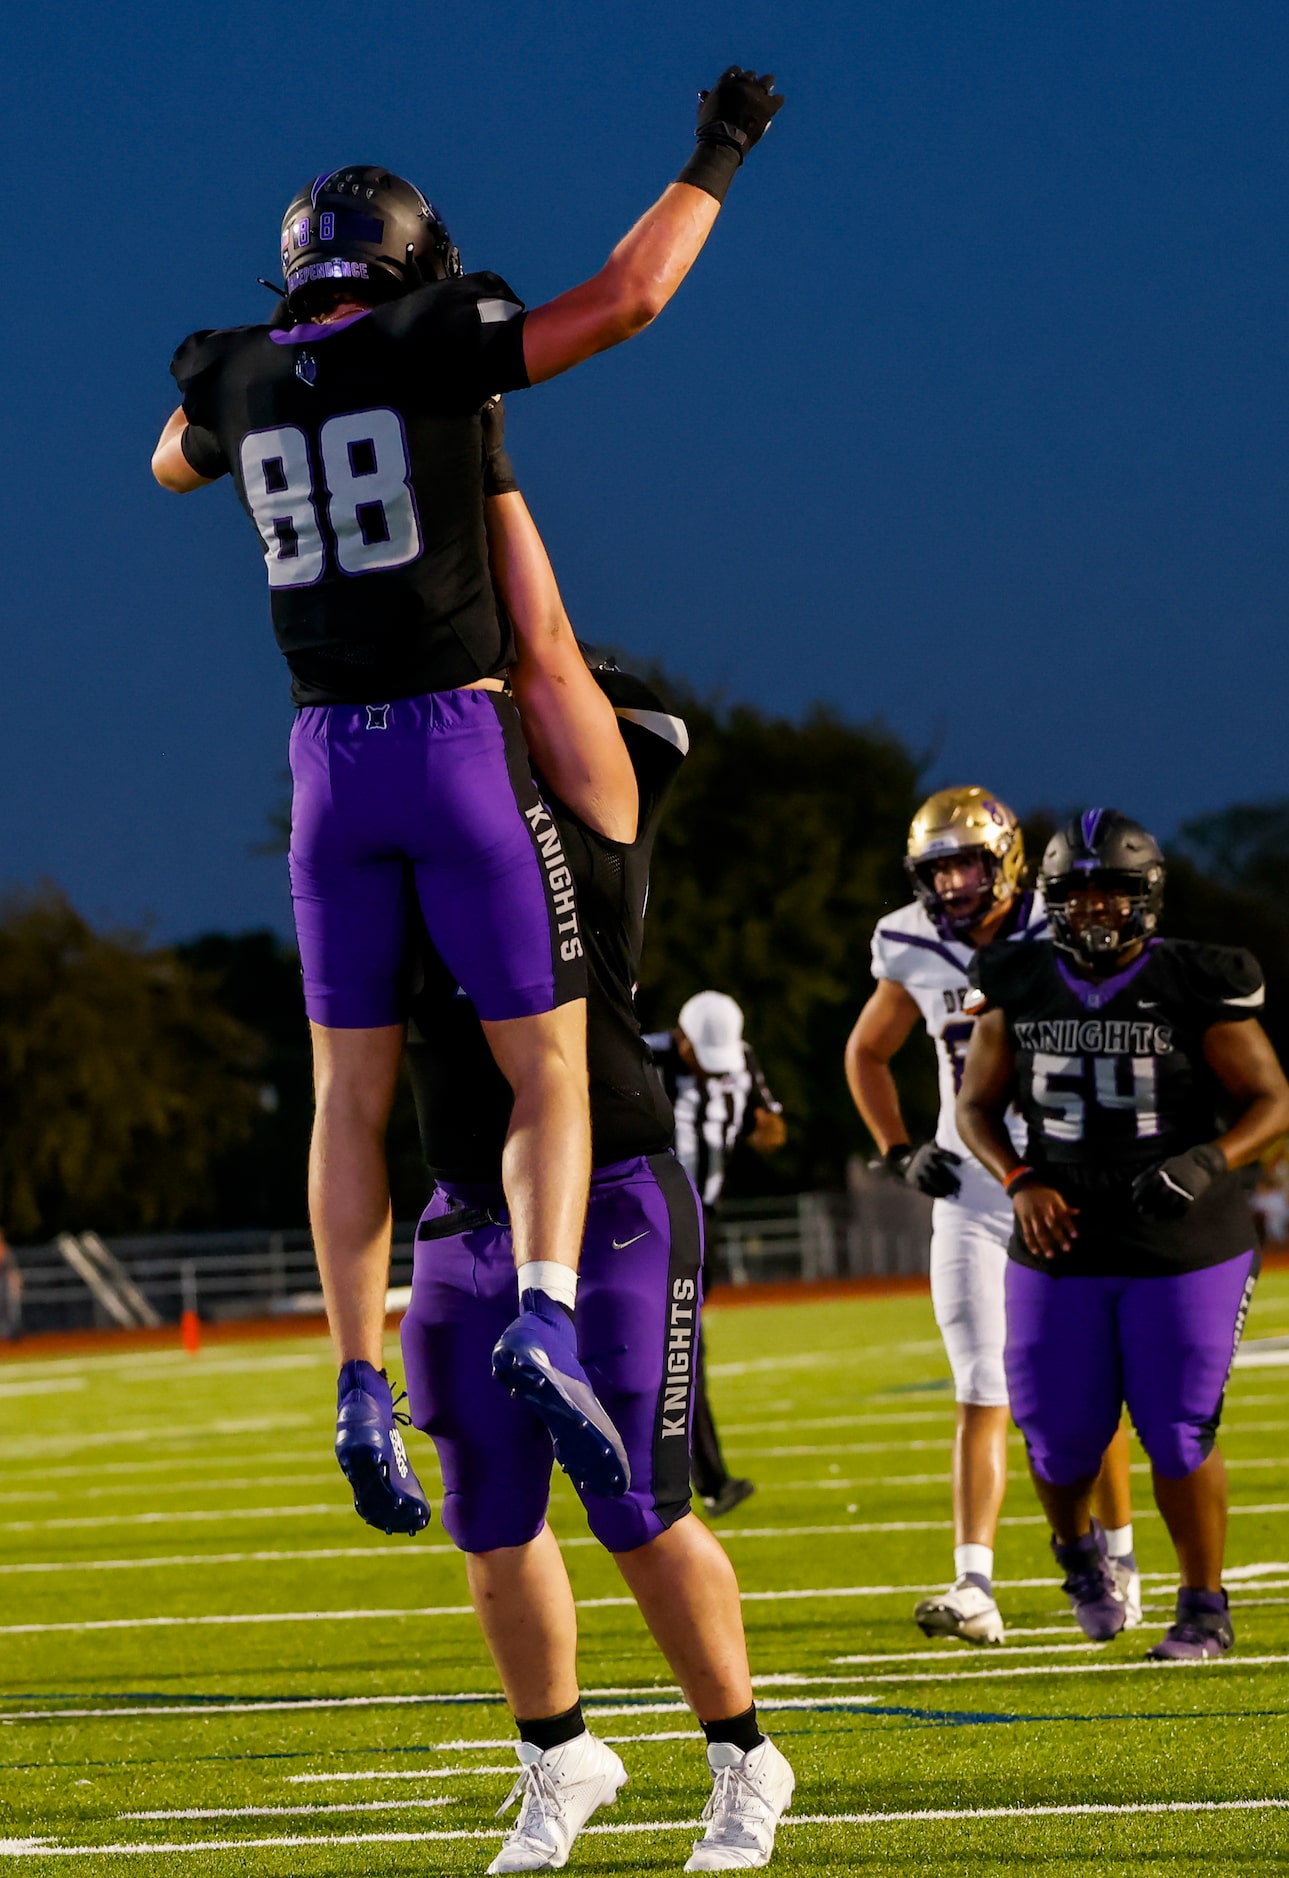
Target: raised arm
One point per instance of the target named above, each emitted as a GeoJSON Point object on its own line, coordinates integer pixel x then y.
{"type": "Point", "coordinates": [649, 263]}
{"type": "Point", "coordinates": [569, 725]}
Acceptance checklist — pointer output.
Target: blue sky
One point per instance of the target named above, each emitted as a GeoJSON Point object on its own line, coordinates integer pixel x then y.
{"type": "Point", "coordinates": [971, 418]}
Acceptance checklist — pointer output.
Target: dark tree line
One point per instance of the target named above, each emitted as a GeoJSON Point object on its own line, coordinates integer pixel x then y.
{"type": "Point", "coordinates": [146, 1087]}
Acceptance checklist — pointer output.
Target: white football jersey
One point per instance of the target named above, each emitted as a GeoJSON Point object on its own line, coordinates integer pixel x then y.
{"type": "Point", "coordinates": [909, 948]}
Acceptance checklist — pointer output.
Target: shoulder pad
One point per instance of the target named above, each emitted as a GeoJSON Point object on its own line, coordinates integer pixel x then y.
{"type": "Point", "coordinates": [907, 948]}
{"type": "Point", "coordinates": [481, 298]}
{"type": "Point", "coordinates": [636, 702]}
{"type": "Point", "coordinates": [200, 351]}
{"type": "Point", "coordinates": [1226, 979]}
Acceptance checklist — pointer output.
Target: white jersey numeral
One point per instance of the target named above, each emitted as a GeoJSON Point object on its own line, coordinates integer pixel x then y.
{"type": "Point", "coordinates": [1065, 1107]}
{"type": "Point", "coordinates": [279, 488]}
{"type": "Point", "coordinates": [1062, 1108]}
{"type": "Point", "coordinates": [371, 511]}
{"type": "Point", "coordinates": [370, 508]}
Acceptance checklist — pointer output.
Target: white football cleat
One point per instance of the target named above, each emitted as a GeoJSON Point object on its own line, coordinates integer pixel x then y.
{"type": "Point", "coordinates": [557, 1792]}
{"type": "Point", "coordinates": [1128, 1578]}
{"type": "Point", "coordinates": [750, 1792]}
{"type": "Point", "coordinates": [964, 1610]}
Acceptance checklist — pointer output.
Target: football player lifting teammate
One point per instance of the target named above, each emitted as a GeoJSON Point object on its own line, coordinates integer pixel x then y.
{"type": "Point", "coordinates": [640, 1280]}
{"type": "Point", "coordinates": [350, 427]}
{"type": "Point", "coordinates": [1145, 1082]}
{"type": "Point", "coordinates": [965, 861]}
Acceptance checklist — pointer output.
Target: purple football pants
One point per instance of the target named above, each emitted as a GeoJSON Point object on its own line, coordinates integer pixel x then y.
{"type": "Point", "coordinates": [638, 1302]}
{"type": "Point", "coordinates": [1079, 1348]}
{"type": "Point", "coordinates": [428, 799]}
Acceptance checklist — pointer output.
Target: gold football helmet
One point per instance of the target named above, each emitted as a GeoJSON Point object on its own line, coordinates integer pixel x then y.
{"type": "Point", "coordinates": [964, 822]}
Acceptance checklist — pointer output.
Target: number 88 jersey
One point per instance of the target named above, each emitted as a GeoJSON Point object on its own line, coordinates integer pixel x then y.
{"type": "Point", "coordinates": [1111, 1078]}
{"type": "Point", "coordinates": [356, 450]}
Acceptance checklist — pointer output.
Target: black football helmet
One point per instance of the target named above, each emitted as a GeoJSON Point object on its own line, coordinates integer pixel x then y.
{"type": "Point", "coordinates": [366, 226]}
{"type": "Point", "coordinates": [1105, 849]}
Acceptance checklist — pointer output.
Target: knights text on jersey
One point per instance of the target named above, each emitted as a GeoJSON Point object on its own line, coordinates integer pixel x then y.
{"type": "Point", "coordinates": [1111, 1079]}
{"type": "Point", "coordinates": [463, 1102]}
{"type": "Point", "coordinates": [355, 448]}
{"type": "Point", "coordinates": [912, 951]}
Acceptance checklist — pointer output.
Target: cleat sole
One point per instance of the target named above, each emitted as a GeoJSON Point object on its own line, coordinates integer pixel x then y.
{"type": "Point", "coordinates": [374, 1499]}
{"type": "Point", "coordinates": [586, 1454]}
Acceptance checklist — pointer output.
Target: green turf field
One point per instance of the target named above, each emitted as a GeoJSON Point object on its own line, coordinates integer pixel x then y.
{"type": "Point", "coordinates": [210, 1665]}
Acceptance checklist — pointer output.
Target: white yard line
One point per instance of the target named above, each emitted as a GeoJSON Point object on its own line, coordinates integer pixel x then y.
{"type": "Point", "coordinates": [167, 1517]}
{"type": "Point", "coordinates": [965, 1652]}
{"type": "Point", "coordinates": [45, 1848]}
{"type": "Point", "coordinates": [486, 1747]}
{"type": "Point", "coordinates": [823, 1359]}
{"type": "Point", "coordinates": [250, 1483]}
{"type": "Point", "coordinates": [170, 1434]}
{"type": "Point", "coordinates": [792, 1422]}
{"type": "Point", "coordinates": [379, 1553]}
{"type": "Point", "coordinates": [208, 1711]}
{"type": "Point", "coordinates": [301, 1812]}
{"type": "Point", "coordinates": [414, 1773]}
{"type": "Point", "coordinates": [38, 1385]}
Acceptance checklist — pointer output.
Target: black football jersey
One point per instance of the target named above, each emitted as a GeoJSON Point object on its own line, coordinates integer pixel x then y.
{"type": "Point", "coordinates": [1111, 1079]}
{"type": "Point", "coordinates": [356, 450]}
{"type": "Point", "coordinates": [462, 1100]}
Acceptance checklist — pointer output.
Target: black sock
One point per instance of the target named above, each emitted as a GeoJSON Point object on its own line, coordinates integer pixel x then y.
{"type": "Point", "coordinates": [740, 1730]}
{"type": "Point", "coordinates": [552, 1731]}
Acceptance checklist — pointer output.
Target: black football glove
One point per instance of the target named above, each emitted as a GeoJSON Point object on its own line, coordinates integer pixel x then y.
{"type": "Point", "coordinates": [1170, 1190]}
{"type": "Point", "coordinates": [498, 471]}
{"type": "Point", "coordinates": [930, 1168]}
{"type": "Point", "coordinates": [737, 110]}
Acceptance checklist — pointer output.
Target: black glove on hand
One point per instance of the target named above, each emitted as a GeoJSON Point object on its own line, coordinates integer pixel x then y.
{"type": "Point", "coordinates": [498, 470]}
{"type": "Point", "coordinates": [732, 116]}
{"type": "Point", "coordinates": [929, 1168]}
{"type": "Point", "coordinates": [737, 110]}
{"type": "Point", "coordinates": [1171, 1189]}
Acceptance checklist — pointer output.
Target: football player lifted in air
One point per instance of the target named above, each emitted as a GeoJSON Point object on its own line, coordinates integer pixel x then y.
{"type": "Point", "coordinates": [640, 1282]}
{"type": "Point", "coordinates": [965, 861]}
{"type": "Point", "coordinates": [350, 427]}
{"type": "Point", "coordinates": [1145, 1081]}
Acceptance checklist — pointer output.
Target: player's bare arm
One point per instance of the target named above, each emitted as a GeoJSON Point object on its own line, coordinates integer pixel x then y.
{"type": "Point", "coordinates": [169, 464]}
{"type": "Point", "coordinates": [1045, 1217]}
{"type": "Point", "coordinates": [648, 264]}
{"type": "Point", "coordinates": [569, 724]}
{"type": "Point", "coordinates": [881, 1030]}
{"type": "Point", "coordinates": [1243, 1060]}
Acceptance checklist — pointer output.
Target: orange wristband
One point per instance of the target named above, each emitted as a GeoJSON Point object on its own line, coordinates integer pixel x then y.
{"type": "Point", "coordinates": [1017, 1175]}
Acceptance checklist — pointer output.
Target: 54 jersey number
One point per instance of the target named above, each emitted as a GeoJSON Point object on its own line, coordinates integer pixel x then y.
{"type": "Point", "coordinates": [366, 492]}
{"type": "Point", "coordinates": [1066, 1087]}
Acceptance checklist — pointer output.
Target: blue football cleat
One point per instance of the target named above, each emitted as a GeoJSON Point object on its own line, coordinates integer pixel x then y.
{"type": "Point", "coordinates": [536, 1359]}
{"type": "Point", "coordinates": [371, 1453]}
{"type": "Point", "coordinates": [1096, 1598]}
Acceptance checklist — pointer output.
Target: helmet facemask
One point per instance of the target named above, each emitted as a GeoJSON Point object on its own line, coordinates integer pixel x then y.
{"type": "Point", "coordinates": [954, 920]}
{"type": "Point", "coordinates": [1126, 914]}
